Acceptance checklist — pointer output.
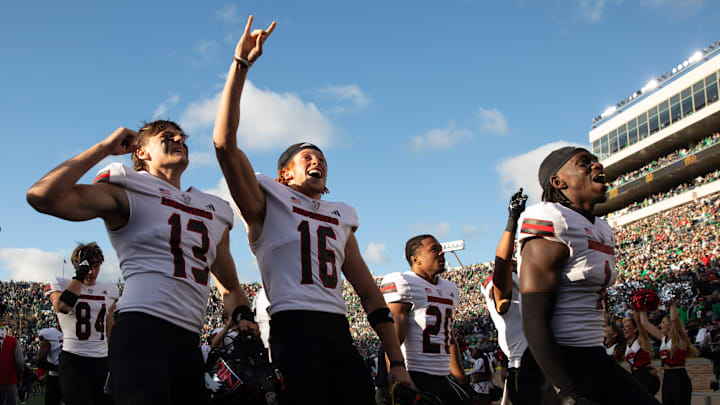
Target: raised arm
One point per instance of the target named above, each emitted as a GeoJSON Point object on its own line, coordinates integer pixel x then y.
{"type": "Point", "coordinates": [679, 327]}
{"type": "Point", "coordinates": [502, 275]}
{"type": "Point", "coordinates": [540, 275]}
{"type": "Point", "coordinates": [643, 339]}
{"type": "Point", "coordinates": [358, 274]}
{"type": "Point", "coordinates": [648, 326]}
{"type": "Point", "coordinates": [235, 165]}
{"type": "Point", "coordinates": [58, 193]}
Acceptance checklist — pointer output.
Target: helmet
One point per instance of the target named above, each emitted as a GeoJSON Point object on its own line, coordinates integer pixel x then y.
{"type": "Point", "coordinates": [404, 395]}
{"type": "Point", "coordinates": [240, 372]}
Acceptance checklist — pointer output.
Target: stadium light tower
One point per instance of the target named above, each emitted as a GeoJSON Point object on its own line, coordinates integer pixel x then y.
{"type": "Point", "coordinates": [454, 246]}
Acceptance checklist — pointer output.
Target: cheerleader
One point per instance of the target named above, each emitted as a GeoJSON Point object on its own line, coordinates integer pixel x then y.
{"type": "Point", "coordinates": [638, 355]}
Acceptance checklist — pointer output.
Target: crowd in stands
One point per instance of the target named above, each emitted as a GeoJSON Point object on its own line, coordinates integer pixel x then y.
{"type": "Point", "coordinates": [652, 199]}
{"type": "Point", "coordinates": [681, 244]}
{"type": "Point", "coordinates": [665, 160]}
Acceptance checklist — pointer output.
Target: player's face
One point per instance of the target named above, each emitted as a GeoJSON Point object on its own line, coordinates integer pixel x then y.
{"type": "Point", "coordinates": [430, 256]}
{"type": "Point", "coordinates": [585, 178]}
{"type": "Point", "coordinates": [92, 275]}
{"type": "Point", "coordinates": [628, 330]}
{"type": "Point", "coordinates": [307, 172]}
{"type": "Point", "coordinates": [166, 148]}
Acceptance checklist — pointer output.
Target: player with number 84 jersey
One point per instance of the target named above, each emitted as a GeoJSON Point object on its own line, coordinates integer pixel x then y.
{"type": "Point", "coordinates": [83, 328]}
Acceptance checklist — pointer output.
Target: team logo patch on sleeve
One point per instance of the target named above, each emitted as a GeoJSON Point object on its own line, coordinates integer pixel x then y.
{"type": "Point", "coordinates": [388, 288]}
{"type": "Point", "coordinates": [537, 227]}
{"type": "Point", "coordinates": [103, 176]}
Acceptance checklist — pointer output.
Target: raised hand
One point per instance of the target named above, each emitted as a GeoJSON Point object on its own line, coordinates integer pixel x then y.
{"type": "Point", "coordinates": [517, 204]}
{"type": "Point", "coordinates": [250, 45]}
{"type": "Point", "coordinates": [121, 141]}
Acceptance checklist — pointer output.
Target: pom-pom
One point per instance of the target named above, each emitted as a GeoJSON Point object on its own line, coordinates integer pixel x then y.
{"type": "Point", "coordinates": [644, 300]}
{"type": "Point", "coordinates": [682, 293]}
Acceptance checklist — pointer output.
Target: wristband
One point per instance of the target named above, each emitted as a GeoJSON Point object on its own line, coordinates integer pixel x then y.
{"type": "Point", "coordinates": [397, 363]}
{"type": "Point", "coordinates": [242, 313]}
{"type": "Point", "coordinates": [242, 61]}
{"type": "Point", "coordinates": [81, 271]}
{"type": "Point", "coordinates": [380, 315]}
{"type": "Point", "coordinates": [69, 298]}
{"type": "Point", "coordinates": [511, 225]}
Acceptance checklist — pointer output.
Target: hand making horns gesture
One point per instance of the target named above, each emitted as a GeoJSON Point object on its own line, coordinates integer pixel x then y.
{"type": "Point", "coordinates": [250, 45]}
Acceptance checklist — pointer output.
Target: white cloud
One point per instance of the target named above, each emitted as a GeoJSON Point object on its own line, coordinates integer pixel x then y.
{"type": "Point", "coordinates": [207, 50]}
{"type": "Point", "coordinates": [522, 170]}
{"type": "Point", "coordinates": [376, 253]}
{"type": "Point", "coordinates": [201, 159]}
{"type": "Point", "coordinates": [591, 10]}
{"type": "Point", "coordinates": [348, 94]}
{"type": "Point", "coordinates": [441, 138]}
{"type": "Point", "coordinates": [440, 231]}
{"type": "Point", "coordinates": [227, 13]}
{"type": "Point", "coordinates": [469, 231]}
{"type": "Point", "coordinates": [268, 120]}
{"type": "Point", "coordinates": [31, 264]}
{"type": "Point", "coordinates": [492, 121]}
{"type": "Point", "coordinates": [169, 102]}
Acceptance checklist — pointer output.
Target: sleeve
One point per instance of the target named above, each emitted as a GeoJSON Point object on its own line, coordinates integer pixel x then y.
{"type": "Point", "coordinates": [351, 216]}
{"type": "Point", "coordinates": [115, 173]}
{"type": "Point", "coordinates": [395, 288]}
{"type": "Point", "coordinates": [55, 284]}
{"type": "Point", "coordinates": [545, 221]}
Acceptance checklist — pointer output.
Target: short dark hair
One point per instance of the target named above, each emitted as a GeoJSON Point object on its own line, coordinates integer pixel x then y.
{"type": "Point", "coordinates": [413, 244]}
{"type": "Point", "coordinates": [147, 130]}
{"type": "Point", "coordinates": [554, 195]}
{"type": "Point", "coordinates": [90, 251]}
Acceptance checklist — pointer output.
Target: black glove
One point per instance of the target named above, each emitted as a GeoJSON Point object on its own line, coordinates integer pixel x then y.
{"type": "Point", "coordinates": [82, 268]}
{"type": "Point", "coordinates": [515, 208]}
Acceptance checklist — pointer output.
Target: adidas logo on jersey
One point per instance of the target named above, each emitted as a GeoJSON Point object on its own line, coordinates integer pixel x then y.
{"type": "Point", "coordinates": [210, 207]}
{"type": "Point", "coordinates": [336, 212]}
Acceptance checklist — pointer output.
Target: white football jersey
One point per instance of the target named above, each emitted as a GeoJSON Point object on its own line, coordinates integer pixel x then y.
{"type": "Point", "coordinates": [301, 249]}
{"type": "Point", "coordinates": [260, 306]}
{"type": "Point", "coordinates": [55, 338]}
{"type": "Point", "coordinates": [84, 326]}
{"type": "Point", "coordinates": [430, 322]}
{"type": "Point", "coordinates": [167, 247]}
{"type": "Point", "coordinates": [578, 319]}
{"type": "Point", "coordinates": [509, 325]}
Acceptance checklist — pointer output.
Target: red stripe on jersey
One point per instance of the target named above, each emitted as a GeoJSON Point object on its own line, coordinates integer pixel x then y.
{"type": "Point", "coordinates": [314, 215]}
{"type": "Point", "coordinates": [594, 245]}
{"type": "Point", "coordinates": [102, 176]}
{"type": "Point", "coordinates": [47, 288]}
{"type": "Point", "coordinates": [537, 227]}
{"type": "Point", "coordinates": [439, 300]}
{"type": "Point", "coordinates": [388, 288]}
{"type": "Point", "coordinates": [485, 283]}
{"type": "Point", "coordinates": [92, 297]}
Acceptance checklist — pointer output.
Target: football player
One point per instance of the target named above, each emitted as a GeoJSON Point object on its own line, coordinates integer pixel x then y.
{"type": "Point", "coordinates": [567, 261]}
{"type": "Point", "coordinates": [423, 306]}
{"type": "Point", "coordinates": [84, 308]}
{"type": "Point", "coordinates": [302, 244]}
{"type": "Point", "coordinates": [48, 358]}
{"type": "Point", "coordinates": [169, 240]}
{"type": "Point", "coordinates": [502, 298]}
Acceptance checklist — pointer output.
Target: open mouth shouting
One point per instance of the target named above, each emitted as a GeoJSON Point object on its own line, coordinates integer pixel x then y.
{"type": "Point", "coordinates": [316, 173]}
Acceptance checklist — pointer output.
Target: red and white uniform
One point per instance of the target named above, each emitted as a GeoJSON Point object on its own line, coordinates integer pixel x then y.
{"type": "Point", "coordinates": [636, 356]}
{"type": "Point", "coordinates": [509, 325]}
{"type": "Point", "coordinates": [578, 319]}
{"type": "Point", "coordinates": [301, 249]}
{"type": "Point", "coordinates": [482, 366]}
{"type": "Point", "coordinates": [55, 338]}
{"type": "Point", "coordinates": [84, 326]}
{"type": "Point", "coordinates": [167, 247]}
{"type": "Point", "coordinates": [430, 323]}
{"type": "Point", "coordinates": [665, 358]}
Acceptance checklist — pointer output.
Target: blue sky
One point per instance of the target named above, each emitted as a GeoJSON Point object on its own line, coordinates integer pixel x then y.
{"type": "Point", "coordinates": [430, 113]}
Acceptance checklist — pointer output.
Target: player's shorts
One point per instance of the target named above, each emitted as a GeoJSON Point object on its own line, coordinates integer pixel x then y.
{"type": "Point", "coordinates": [155, 362]}
{"type": "Point", "coordinates": [444, 387]}
{"type": "Point", "coordinates": [315, 354]}
{"type": "Point", "coordinates": [82, 378]}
